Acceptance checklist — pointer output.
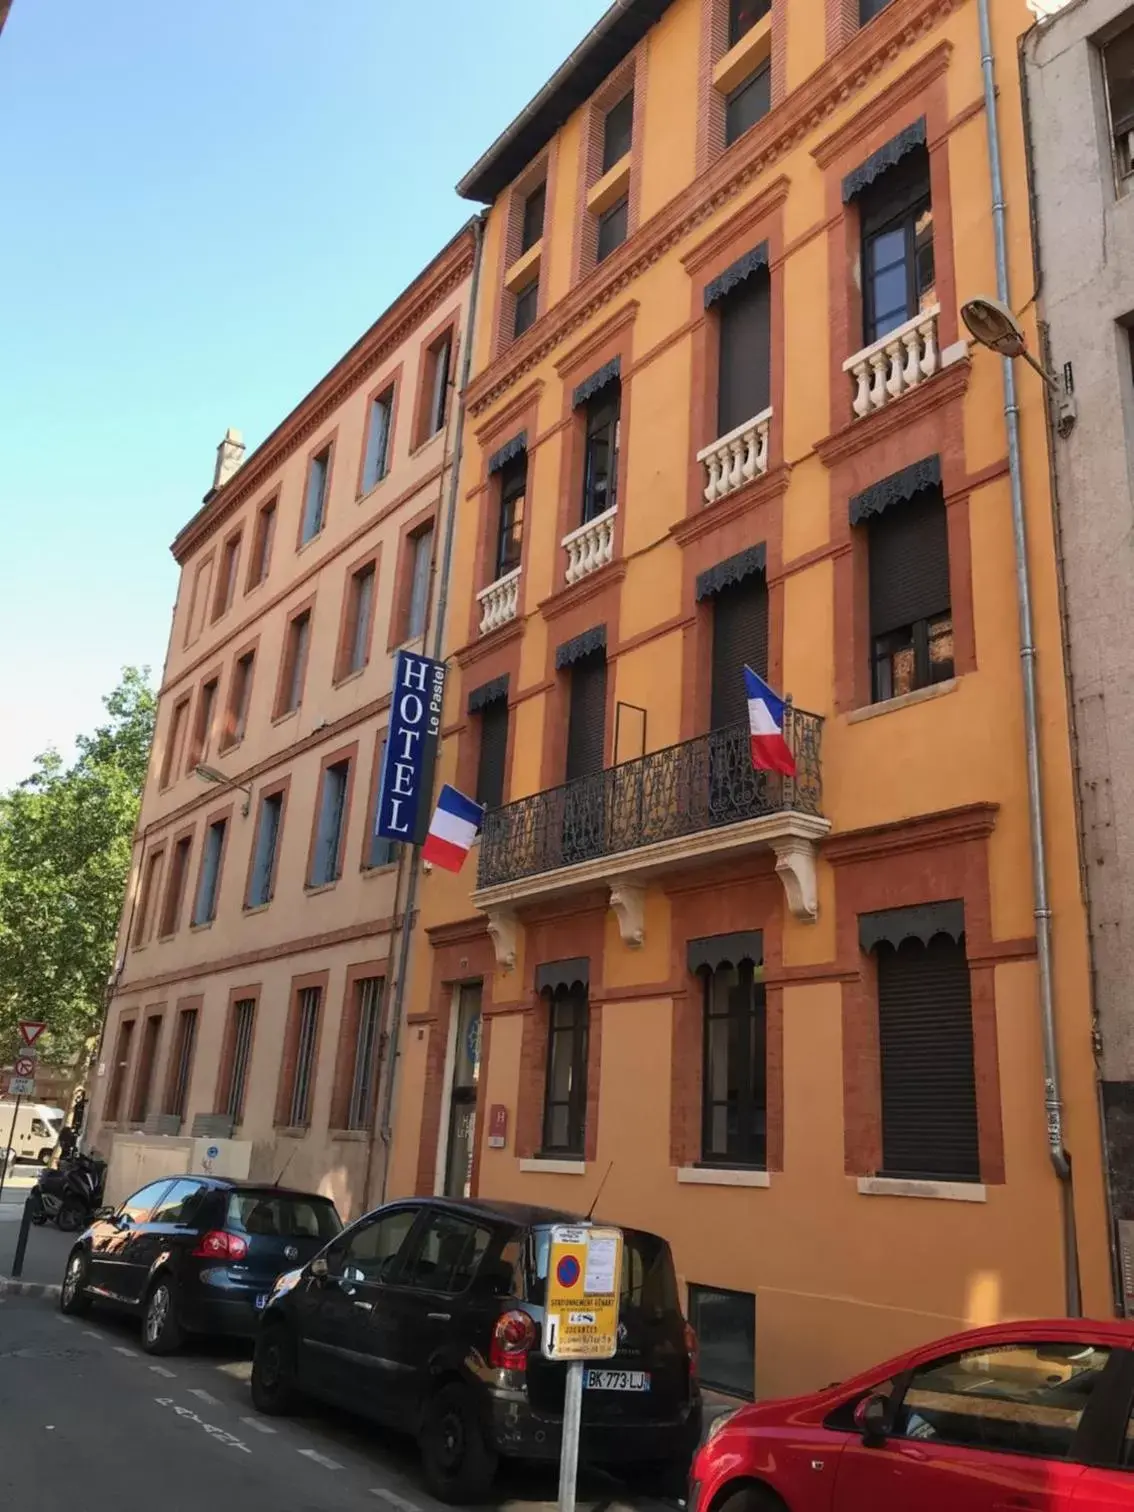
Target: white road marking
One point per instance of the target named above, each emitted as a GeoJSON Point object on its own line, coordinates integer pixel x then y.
{"type": "Point", "coordinates": [394, 1499]}
{"type": "Point", "coordinates": [91, 1333]}
{"type": "Point", "coordinates": [161, 1371]}
{"type": "Point", "coordinates": [258, 1425]}
{"type": "Point", "coordinates": [131, 1354]}
{"type": "Point", "coordinates": [204, 1396]}
{"type": "Point", "coordinates": [214, 1432]}
{"type": "Point", "coordinates": [320, 1459]}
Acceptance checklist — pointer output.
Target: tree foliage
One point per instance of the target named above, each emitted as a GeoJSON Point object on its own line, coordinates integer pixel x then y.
{"type": "Point", "coordinates": [66, 837]}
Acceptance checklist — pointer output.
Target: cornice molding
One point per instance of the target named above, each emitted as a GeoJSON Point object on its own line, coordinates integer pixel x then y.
{"type": "Point", "coordinates": [513, 412]}
{"type": "Point", "coordinates": [578, 593]}
{"type": "Point", "coordinates": [946, 386]}
{"type": "Point", "coordinates": [958, 826]}
{"type": "Point", "coordinates": [459, 932]}
{"type": "Point", "coordinates": [747, 218]}
{"type": "Point", "coordinates": [760, 491]}
{"type": "Point", "coordinates": [884, 109]}
{"type": "Point", "coordinates": [476, 650]}
{"type": "Point", "coordinates": [829, 88]}
{"type": "Point", "coordinates": [590, 346]}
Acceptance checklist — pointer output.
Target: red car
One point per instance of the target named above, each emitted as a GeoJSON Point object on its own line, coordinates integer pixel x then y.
{"type": "Point", "coordinates": [1022, 1417]}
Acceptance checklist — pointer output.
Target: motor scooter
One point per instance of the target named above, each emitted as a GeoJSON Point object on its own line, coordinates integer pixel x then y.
{"type": "Point", "coordinates": [70, 1195]}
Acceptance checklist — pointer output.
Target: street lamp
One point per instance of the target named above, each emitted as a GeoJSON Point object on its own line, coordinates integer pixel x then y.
{"type": "Point", "coordinates": [210, 774]}
{"type": "Point", "coordinates": [993, 325]}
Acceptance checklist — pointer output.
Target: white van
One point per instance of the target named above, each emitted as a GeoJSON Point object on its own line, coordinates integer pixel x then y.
{"type": "Point", "coordinates": [36, 1132]}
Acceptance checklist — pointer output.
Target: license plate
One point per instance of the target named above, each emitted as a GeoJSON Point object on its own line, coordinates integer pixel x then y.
{"type": "Point", "coordinates": [262, 1301]}
{"type": "Point", "coordinates": [617, 1380]}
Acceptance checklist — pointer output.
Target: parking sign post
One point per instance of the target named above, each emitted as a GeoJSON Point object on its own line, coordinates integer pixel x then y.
{"type": "Point", "coordinates": [572, 1422]}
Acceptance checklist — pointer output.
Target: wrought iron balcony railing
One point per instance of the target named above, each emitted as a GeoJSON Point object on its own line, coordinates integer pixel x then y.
{"type": "Point", "coordinates": [681, 790]}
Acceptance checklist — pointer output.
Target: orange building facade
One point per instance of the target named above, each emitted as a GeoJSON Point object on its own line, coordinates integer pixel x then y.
{"type": "Point", "coordinates": [722, 413]}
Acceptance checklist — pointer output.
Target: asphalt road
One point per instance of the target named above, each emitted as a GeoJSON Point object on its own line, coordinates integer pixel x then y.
{"type": "Point", "coordinates": [87, 1420]}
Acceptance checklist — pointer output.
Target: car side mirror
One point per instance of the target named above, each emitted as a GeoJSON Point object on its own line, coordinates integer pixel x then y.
{"type": "Point", "coordinates": [872, 1419]}
{"type": "Point", "coordinates": [103, 1214]}
{"type": "Point", "coordinates": [319, 1268]}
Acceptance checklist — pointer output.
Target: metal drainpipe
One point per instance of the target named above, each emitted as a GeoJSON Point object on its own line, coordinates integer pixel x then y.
{"type": "Point", "coordinates": [1053, 1105]}
{"type": "Point", "coordinates": [385, 1131]}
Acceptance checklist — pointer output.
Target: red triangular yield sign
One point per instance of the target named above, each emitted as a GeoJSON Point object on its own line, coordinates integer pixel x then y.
{"type": "Point", "coordinates": [30, 1032]}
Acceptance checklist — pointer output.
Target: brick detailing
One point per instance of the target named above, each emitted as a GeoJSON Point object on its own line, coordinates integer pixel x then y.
{"type": "Point", "coordinates": [842, 23]}
{"type": "Point", "coordinates": [432, 1101]}
{"type": "Point", "coordinates": [779, 51]}
{"type": "Point", "coordinates": [710, 102]}
{"type": "Point", "coordinates": [512, 201]}
{"type": "Point", "coordinates": [594, 1080]}
{"type": "Point", "coordinates": [533, 1073]}
{"type": "Point", "coordinates": [631, 75]}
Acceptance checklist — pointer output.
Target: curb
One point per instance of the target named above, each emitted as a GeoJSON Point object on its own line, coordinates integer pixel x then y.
{"type": "Point", "coordinates": [11, 1287]}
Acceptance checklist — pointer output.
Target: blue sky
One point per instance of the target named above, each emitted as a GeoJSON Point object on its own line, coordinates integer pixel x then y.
{"type": "Point", "coordinates": [204, 206]}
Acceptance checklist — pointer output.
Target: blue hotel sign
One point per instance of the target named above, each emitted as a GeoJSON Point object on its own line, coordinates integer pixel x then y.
{"type": "Point", "coordinates": [405, 784]}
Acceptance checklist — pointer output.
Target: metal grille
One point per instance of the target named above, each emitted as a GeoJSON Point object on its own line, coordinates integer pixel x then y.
{"type": "Point", "coordinates": [366, 1053]}
{"type": "Point", "coordinates": [243, 1014]}
{"type": "Point", "coordinates": [300, 1107]}
{"type": "Point", "coordinates": [186, 1041]}
{"type": "Point", "coordinates": [698, 785]}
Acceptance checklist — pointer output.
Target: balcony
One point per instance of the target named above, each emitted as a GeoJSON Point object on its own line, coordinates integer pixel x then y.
{"type": "Point", "coordinates": [499, 602]}
{"type": "Point", "coordinates": [591, 546]}
{"type": "Point", "coordinates": [736, 459]}
{"type": "Point", "coordinates": [695, 801]}
{"type": "Point", "coordinates": [903, 359]}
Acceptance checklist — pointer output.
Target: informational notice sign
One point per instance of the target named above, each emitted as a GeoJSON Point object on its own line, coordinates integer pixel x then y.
{"type": "Point", "coordinates": [405, 783]}
{"type": "Point", "coordinates": [21, 1086]}
{"type": "Point", "coordinates": [584, 1272]}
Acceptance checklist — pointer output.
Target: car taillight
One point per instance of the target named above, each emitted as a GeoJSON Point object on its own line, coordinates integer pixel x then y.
{"type": "Point", "coordinates": [219, 1245]}
{"type": "Point", "coordinates": [515, 1333]}
{"type": "Point", "coordinates": [692, 1349]}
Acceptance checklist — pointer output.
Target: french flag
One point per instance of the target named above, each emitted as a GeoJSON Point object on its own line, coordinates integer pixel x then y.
{"type": "Point", "coordinates": [452, 830]}
{"type": "Point", "coordinates": [770, 751]}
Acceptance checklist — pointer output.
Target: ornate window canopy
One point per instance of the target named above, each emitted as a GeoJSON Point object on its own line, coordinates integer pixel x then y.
{"type": "Point", "coordinates": [713, 951]}
{"type": "Point", "coordinates": [898, 488]}
{"type": "Point", "coordinates": [509, 450]}
{"type": "Point", "coordinates": [583, 645]}
{"type": "Point", "coordinates": [887, 156]}
{"type": "Point", "coordinates": [893, 925]}
{"type": "Point", "coordinates": [733, 569]}
{"type": "Point", "coordinates": [487, 693]}
{"type": "Point", "coordinates": [597, 381]}
{"type": "Point", "coordinates": [736, 273]}
{"type": "Point", "coordinates": [555, 975]}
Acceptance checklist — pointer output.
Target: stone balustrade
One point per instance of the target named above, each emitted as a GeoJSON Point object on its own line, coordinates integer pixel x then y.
{"type": "Point", "coordinates": [591, 546]}
{"type": "Point", "coordinates": [904, 358]}
{"type": "Point", "coordinates": [499, 602]}
{"type": "Point", "coordinates": [736, 459]}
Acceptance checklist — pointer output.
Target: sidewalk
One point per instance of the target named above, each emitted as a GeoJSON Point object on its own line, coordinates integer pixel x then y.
{"type": "Point", "coordinates": [47, 1249]}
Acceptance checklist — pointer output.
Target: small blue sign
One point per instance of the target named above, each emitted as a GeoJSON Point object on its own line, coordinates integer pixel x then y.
{"type": "Point", "coordinates": [405, 783]}
{"type": "Point", "coordinates": [212, 1152]}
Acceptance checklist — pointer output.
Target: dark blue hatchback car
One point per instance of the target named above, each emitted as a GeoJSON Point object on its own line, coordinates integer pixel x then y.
{"type": "Point", "coordinates": [195, 1254]}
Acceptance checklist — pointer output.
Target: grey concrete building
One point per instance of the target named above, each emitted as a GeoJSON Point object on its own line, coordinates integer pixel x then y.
{"type": "Point", "coordinates": [1079, 102]}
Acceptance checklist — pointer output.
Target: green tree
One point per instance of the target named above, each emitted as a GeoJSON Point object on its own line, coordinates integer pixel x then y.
{"type": "Point", "coordinates": [66, 837]}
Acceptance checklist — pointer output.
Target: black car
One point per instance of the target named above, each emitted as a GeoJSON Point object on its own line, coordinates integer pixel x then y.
{"type": "Point", "coordinates": [426, 1317]}
{"type": "Point", "coordinates": [195, 1254]}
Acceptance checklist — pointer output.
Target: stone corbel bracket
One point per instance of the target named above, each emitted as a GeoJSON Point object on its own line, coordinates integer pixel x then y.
{"type": "Point", "coordinates": [502, 927]}
{"type": "Point", "coordinates": [628, 900]}
{"type": "Point", "coordinates": [795, 867]}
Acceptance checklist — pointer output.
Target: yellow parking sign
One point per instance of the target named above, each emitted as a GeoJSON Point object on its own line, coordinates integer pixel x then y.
{"type": "Point", "coordinates": [584, 1276]}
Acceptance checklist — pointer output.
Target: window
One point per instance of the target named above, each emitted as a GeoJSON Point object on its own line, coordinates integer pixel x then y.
{"type": "Point", "coordinates": [740, 639]}
{"type": "Point", "coordinates": [565, 1103]}
{"type": "Point", "coordinates": [446, 1255]}
{"type": "Point", "coordinates": [600, 463]}
{"type": "Point", "coordinates": [147, 900]}
{"type": "Point", "coordinates": [366, 1052]}
{"type": "Point", "coordinates": [911, 623]}
{"type": "Point", "coordinates": [612, 228]}
{"type": "Point", "coordinates": [199, 600]}
{"type": "Point", "coordinates": [437, 364]}
{"type": "Point", "coordinates": [327, 856]}
{"type": "Point", "coordinates": [868, 9]}
{"type": "Point", "coordinates": [272, 1215]}
{"type": "Point", "coordinates": [294, 668]}
{"type": "Point", "coordinates": [897, 247]}
{"type": "Point", "coordinates": [493, 749]}
{"type": "Point", "coordinates": [139, 1207]}
{"type": "Point", "coordinates": [1118, 67]}
{"type": "Point", "coordinates": [725, 1325]}
{"type": "Point", "coordinates": [262, 880]}
{"type": "Point", "coordinates": [421, 556]}
{"type": "Point", "coordinates": [239, 698]}
{"type": "Point", "coordinates": [171, 756]}
{"type": "Point", "coordinates": [743, 16]}
{"type": "Point", "coordinates": [734, 1099]}
{"type": "Point", "coordinates": [177, 1204]}
{"type": "Point", "coordinates": [586, 724]}
{"type": "Point", "coordinates": [460, 1145]}
{"type": "Point", "coordinates": [175, 886]}
{"type": "Point", "coordinates": [355, 651]}
{"type": "Point", "coordinates": [300, 1082]}
{"type": "Point", "coordinates": [527, 307]}
{"type": "Point", "coordinates": [226, 581]}
{"type": "Point", "coordinates": [203, 723]}
{"type": "Point", "coordinates": [181, 1063]}
{"type": "Point", "coordinates": [618, 131]}
{"type": "Point", "coordinates": [748, 103]}
{"type": "Point", "coordinates": [376, 461]}
{"type": "Point", "coordinates": [531, 229]}
{"type": "Point", "coordinates": [379, 850]}
{"type": "Point", "coordinates": [510, 528]}
{"type": "Point", "coordinates": [262, 544]}
{"type": "Point", "coordinates": [315, 499]}
{"type": "Point", "coordinates": [238, 1059]}
{"type": "Point", "coordinates": [744, 353]}
{"type": "Point", "coordinates": [1022, 1398]}
{"type": "Point", "coordinates": [118, 1070]}
{"type": "Point", "coordinates": [925, 1038]}
{"type": "Point", "coordinates": [208, 884]}
{"type": "Point", "coordinates": [369, 1252]}
{"type": "Point", "coordinates": [144, 1081]}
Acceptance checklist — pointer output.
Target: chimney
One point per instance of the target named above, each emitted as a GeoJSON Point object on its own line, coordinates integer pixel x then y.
{"type": "Point", "coordinates": [230, 454]}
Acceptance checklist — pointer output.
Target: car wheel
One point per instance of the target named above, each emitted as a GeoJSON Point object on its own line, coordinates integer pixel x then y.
{"type": "Point", "coordinates": [71, 1218]}
{"type": "Point", "coordinates": [161, 1332]}
{"type": "Point", "coordinates": [661, 1478]}
{"type": "Point", "coordinates": [73, 1299]}
{"type": "Point", "coordinates": [459, 1464]}
{"type": "Point", "coordinates": [273, 1371]}
{"type": "Point", "coordinates": [753, 1499]}
{"type": "Point", "coordinates": [44, 1157]}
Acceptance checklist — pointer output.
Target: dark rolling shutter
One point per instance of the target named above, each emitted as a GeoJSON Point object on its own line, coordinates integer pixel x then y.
{"type": "Point", "coordinates": [740, 638]}
{"type": "Point", "coordinates": [493, 747]}
{"type": "Point", "coordinates": [587, 724]}
{"type": "Point", "coordinates": [909, 563]}
{"type": "Point", "coordinates": [745, 352]}
{"type": "Point", "coordinates": [925, 1027]}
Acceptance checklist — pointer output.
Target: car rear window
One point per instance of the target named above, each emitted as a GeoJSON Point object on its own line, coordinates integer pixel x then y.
{"type": "Point", "coordinates": [276, 1215]}
{"type": "Point", "coordinates": [648, 1280]}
